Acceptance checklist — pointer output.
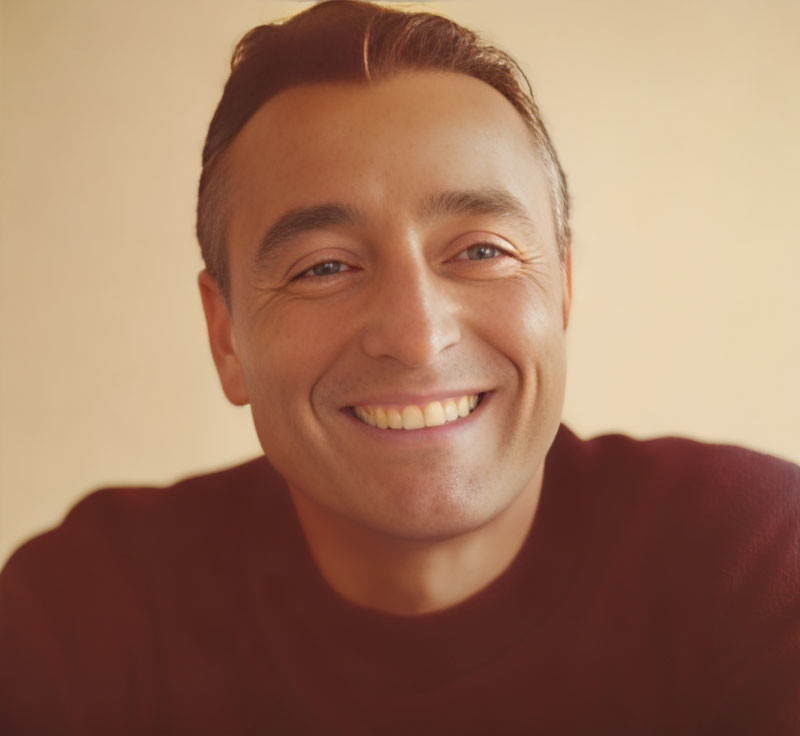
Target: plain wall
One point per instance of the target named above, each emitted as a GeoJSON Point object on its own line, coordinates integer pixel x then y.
{"type": "Point", "coordinates": [677, 124]}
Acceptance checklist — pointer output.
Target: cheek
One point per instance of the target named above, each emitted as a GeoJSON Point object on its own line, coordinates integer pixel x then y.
{"type": "Point", "coordinates": [288, 351]}
{"type": "Point", "coordinates": [523, 321]}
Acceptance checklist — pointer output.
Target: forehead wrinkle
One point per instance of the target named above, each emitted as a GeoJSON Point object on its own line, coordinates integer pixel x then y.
{"type": "Point", "coordinates": [477, 202]}
{"type": "Point", "coordinates": [300, 220]}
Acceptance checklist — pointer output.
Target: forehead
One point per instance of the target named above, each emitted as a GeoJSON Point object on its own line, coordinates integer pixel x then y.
{"type": "Point", "coordinates": [380, 146]}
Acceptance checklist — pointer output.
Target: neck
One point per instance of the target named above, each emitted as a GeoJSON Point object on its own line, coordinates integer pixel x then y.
{"type": "Point", "coordinates": [412, 577]}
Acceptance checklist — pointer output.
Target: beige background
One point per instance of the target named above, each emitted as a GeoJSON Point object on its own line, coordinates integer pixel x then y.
{"type": "Point", "coordinates": [676, 120]}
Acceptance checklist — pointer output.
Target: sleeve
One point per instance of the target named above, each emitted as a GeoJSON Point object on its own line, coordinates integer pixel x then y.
{"type": "Point", "coordinates": [759, 626]}
{"type": "Point", "coordinates": [34, 675]}
{"type": "Point", "coordinates": [72, 638]}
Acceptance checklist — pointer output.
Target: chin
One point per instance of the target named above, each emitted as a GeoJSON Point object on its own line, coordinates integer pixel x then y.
{"type": "Point", "coordinates": [421, 514]}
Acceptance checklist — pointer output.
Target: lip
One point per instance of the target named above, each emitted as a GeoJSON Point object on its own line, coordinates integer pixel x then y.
{"type": "Point", "coordinates": [426, 433]}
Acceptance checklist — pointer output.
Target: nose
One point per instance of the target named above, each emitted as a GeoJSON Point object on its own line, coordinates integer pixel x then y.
{"type": "Point", "coordinates": [412, 315]}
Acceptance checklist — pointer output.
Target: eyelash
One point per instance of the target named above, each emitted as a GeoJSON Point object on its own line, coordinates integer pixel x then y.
{"type": "Point", "coordinates": [308, 273]}
{"type": "Point", "coordinates": [498, 251]}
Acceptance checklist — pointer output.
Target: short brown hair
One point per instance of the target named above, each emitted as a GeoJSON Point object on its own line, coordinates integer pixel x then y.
{"type": "Point", "coordinates": [351, 40]}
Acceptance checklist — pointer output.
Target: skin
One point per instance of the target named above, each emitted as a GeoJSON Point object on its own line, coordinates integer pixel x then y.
{"type": "Point", "coordinates": [416, 303]}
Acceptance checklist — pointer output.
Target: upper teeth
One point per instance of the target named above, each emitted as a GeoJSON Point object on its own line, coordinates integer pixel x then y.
{"type": "Point", "coordinates": [433, 414]}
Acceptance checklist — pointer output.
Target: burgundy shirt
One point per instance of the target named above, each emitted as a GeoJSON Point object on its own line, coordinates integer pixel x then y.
{"type": "Point", "coordinates": [658, 592]}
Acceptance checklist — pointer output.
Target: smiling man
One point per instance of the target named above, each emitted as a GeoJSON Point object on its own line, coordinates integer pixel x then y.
{"type": "Point", "coordinates": [395, 317]}
{"type": "Point", "coordinates": [423, 548]}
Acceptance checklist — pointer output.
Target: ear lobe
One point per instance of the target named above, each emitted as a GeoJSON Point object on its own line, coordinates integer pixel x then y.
{"type": "Point", "coordinates": [566, 297]}
{"type": "Point", "coordinates": [220, 337]}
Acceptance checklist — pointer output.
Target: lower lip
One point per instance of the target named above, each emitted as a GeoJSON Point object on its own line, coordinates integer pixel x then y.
{"type": "Point", "coordinates": [425, 434]}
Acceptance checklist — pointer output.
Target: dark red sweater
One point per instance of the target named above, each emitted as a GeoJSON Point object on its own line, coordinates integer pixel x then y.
{"type": "Point", "coordinates": [658, 592]}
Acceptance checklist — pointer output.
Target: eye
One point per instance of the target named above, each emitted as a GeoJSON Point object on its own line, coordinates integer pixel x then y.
{"type": "Point", "coordinates": [481, 252]}
{"type": "Point", "coordinates": [324, 268]}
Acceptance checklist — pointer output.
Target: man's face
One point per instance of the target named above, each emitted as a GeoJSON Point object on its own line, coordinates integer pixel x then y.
{"type": "Point", "coordinates": [392, 251]}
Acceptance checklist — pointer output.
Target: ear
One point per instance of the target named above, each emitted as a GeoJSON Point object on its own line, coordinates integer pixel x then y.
{"type": "Point", "coordinates": [221, 338]}
{"type": "Point", "coordinates": [566, 278]}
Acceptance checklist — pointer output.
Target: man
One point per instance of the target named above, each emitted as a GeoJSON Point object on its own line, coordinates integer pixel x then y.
{"type": "Point", "coordinates": [424, 549]}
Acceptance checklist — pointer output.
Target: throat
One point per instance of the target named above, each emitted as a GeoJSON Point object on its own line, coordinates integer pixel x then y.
{"type": "Point", "coordinates": [413, 577]}
{"type": "Point", "coordinates": [426, 581]}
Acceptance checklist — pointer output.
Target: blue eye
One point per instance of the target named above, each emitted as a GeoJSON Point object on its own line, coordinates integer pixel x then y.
{"type": "Point", "coordinates": [482, 252]}
{"type": "Point", "coordinates": [325, 268]}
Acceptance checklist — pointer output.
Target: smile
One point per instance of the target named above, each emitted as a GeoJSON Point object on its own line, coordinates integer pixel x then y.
{"type": "Point", "coordinates": [413, 416]}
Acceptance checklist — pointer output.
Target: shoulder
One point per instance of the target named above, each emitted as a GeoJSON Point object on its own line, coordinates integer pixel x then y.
{"type": "Point", "coordinates": [84, 607]}
{"type": "Point", "coordinates": [704, 518]}
{"type": "Point", "coordinates": [190, 498]}
{"type": "Point", "coordinates": [737, 507]}
{"type": "Point", "coordinates": [702, 542]}
{"type": "Point", "coordinates": [710, 478]}
{"type": "Point", "coordinates": [677, 457]}
{"type": "Point", "coordinates": [116, 531]}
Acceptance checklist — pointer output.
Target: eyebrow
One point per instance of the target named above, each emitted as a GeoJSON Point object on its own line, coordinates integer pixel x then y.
{"type": "Point", "coordinates": [442, 204]}
{"type": "Point", "coordinates": [298, 221]}
{"type": "Point", "coordinates": [477, 202]}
